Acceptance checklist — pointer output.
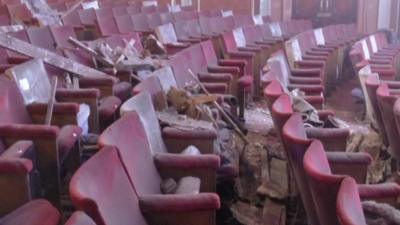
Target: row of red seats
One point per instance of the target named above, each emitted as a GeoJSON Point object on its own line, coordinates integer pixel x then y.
{"type": "Point", "coordinates": [383, 97]}
{"type": "Point", "coordinates": [322, 49]}
{"type": "Point", "coordinates": [89, 16]}
{"type": "Point", "coordinates": [54, 140]}
{"type": "Point", "coordinates": [375, 51]}
{"type": "Point", "coordinates": [321, 167]}
{"type": "Point", "coordinates": [59, 139]}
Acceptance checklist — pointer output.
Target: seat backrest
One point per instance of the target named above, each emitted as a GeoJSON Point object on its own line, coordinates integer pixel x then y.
{"type": "Point", "coordinates": [281, 110]}
{"type": "Point", "coordinates": [120, 10]}
{"type": "Point", "coordinates": [41, 37]}
{"type": "Point", "coordinates": [181, 29]}
{"type": "Point", "coordinates": [80, 218]}
{"type": "Point", "coordinates": [167, 18]}
{"type": "Point", "coordinates": [198, 62]}
{"type": "Point", "coordinates": [296, 144]}
{"type": "Point", "coordinates": [5, 20]}
{"type": "Point", "coordinates": [104, 12]}
{"type": "Point", "coordinates": [272, 92]}
{"type": "Point", "coordinates": [243, 20]}
{"type": "Point", "coordinates": [293, 51]}
{"type": "Point", "coordinates": [205, 25]}
{"type": "Point", "coordinates": [149, 9]}
{"type": "Point", "coordinates": [124, 24]}
{"type": "Point", "coordinates": [371, 84]}
{"type": "Point", "coordinates": [240, 38]}
{"type": "Point", "coordinates": [154, 20]}
{"type": "Point", "coordinates": [365, 49]}
{"type": "Point", "coordinates": [386, 99]}
{"type": "Point", "coordinates": [61, 35]}
{"type": "Point", "coordinates": [166, 34]}
{"type": "Point", "coordinates": [279, 66]}
{"type": "Point", "coordinates": [72, 18]}
{"type": "Point", "coordinates": [181, 16]}
{"type": "Point", "coordinates": [133, 9]}
{"type": "Point", "coordinates": [209, 52]}
{"type": "Point", "coordinates": [166, 77]}
{"type": "Point", "coordinates": [12, 105]}
{"type": "Point", "coordinates": [373, 43]}
{"type": "Point", "coordinates": [229, 43]}
{"type": "Point", "coordinates": [180, 65]}
{"type": "Point", "coordinates": [158, 85]}
{"type": "Point", "coordinates": [140, 22]}
{"type": "Point", "coordinates": [323, 184]}
{"type": "Point", "coordinates": [102, 189]}
{"type": "Point", "coordinates": [151, 84]}
{"type": "Point", "coordinates": [32, 80]}
{"type": "Point", "coordinates": [107, 26]}
{"type": "Point", "coordinates": [129, 136]}
{"type": "Point", "coordinates": [193, 28]}
{"type": "Point", "coordinates": [252, 34]}
{"type": "Point", "coordinates": [319, 36]}
{"type": "Point", "coordinates": [87, 16]}
{"type": "Point", "coordinates": [276, 30]}
{"type": "Point", "coordinates": [348, 204]}
{"type": "Point", "coordinates": [19, 13]}
{"type": "Point", "coordinates": [23, 36]}
{"type": "Point", "coordinates": [382, 39]}
{"type": "Point", "coordinates": [142, 104]}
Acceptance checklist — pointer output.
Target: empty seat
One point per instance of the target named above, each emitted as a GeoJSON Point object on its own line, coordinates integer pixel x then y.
{"type": "Point", "coordinates": [167, 36]}
{"type": "Point", "coordinates": [324, 184]}
{"type": "Point", "coordinates": [348, 204]}
{"type": "Point", "coordinates": [135, 137]}
{"type": "Point", "coordinates": [52, 143]}
{"type": "Point", "coordinates": [119, 203]}
{"type": "Point", "coordinates": [18, 176]}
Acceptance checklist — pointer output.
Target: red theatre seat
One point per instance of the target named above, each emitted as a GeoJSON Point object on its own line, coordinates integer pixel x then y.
{"type": "Point", "coordinates": [115, 201]}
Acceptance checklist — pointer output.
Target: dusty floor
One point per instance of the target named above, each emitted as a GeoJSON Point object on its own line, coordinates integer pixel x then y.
{"type": "Point", "coordinates": [259, 202]}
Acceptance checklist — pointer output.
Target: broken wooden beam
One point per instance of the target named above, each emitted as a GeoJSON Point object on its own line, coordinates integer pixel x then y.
{"type": "Point", "coordinates": [51, 58]}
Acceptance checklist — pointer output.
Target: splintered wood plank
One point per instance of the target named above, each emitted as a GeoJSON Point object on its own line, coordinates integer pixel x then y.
{"type": "Point", "coordinates": [50, 58]}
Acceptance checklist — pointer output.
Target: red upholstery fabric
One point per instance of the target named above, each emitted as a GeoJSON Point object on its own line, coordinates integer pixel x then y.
{"type": "Point", "coordinates": [322, 183]}
{"type": "Point", "coordinates": [178, 203]}
{"type": "Point", "coordinates": [296, 142]}
{"type": "Point", "coordinates": [15, 166]}
{"type": "Point", "coordinates": [108, 198]}
{"type": "Point", "coordinates": [67, 138]}
{"type": "Point", "coordinates": [199, 134]}
{"type": "Point", "coordinates": [108, 107]}
{"type": "Point", "coordinates": [184, 162]}
{"type": "Point", "coordinates": [36, 212]}
{"type": "Point", "coordinates": [17, 150]}
{"type": "Point", "coordinates": [135, 153]}
{"type": "Point", "coordinates": [348, 204]}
